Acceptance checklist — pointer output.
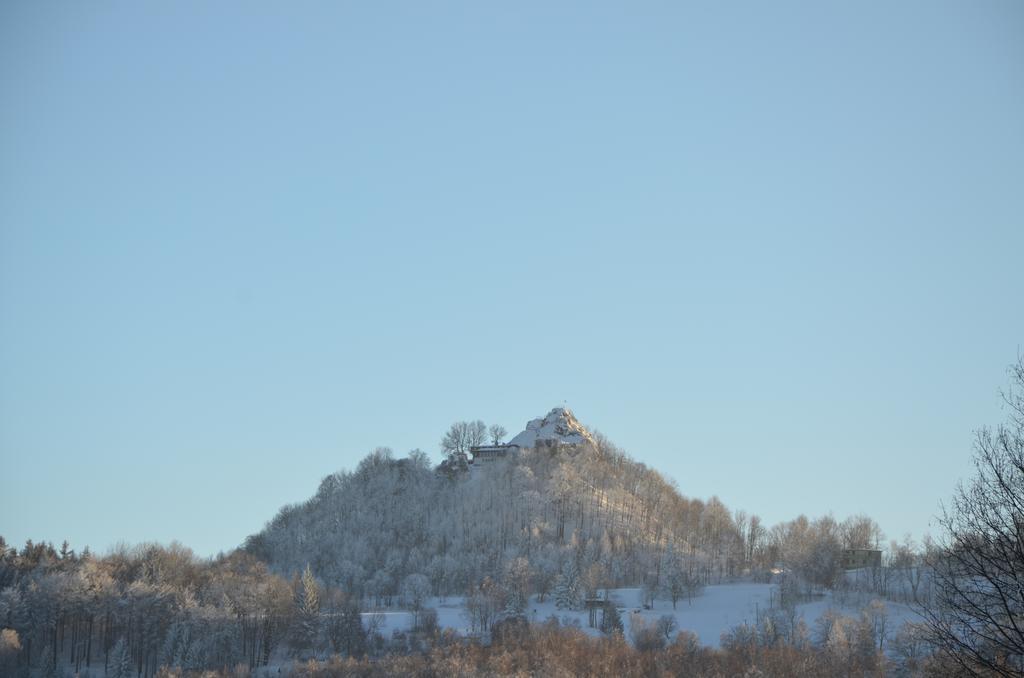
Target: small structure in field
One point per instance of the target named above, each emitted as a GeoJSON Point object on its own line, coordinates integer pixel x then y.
{"type": "Point", "coordinates": [855, 559]}
{"type": "Point", "coordinates": [593, 605]}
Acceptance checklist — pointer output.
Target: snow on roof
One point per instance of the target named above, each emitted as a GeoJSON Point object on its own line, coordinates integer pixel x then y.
{"type": "Point", "coordinates": [558, 427]}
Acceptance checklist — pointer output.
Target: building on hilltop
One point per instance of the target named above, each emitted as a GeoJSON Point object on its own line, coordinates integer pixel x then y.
{"type": "Point", "coordinates": [487, 453]}
{"type": "Point", "coordinates": [558, 429]}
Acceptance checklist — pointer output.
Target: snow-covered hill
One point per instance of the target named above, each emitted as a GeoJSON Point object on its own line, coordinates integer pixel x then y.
{"type": "Point", "coordinates": [557, 428]}
{"type": "Point", "coordinates": [558, 527]}
{"type": "Point", "coordinates": [369, 529]}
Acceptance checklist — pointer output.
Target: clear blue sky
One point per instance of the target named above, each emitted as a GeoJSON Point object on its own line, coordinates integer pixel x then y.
{"type": "Point", "coordinates": [774, 250]}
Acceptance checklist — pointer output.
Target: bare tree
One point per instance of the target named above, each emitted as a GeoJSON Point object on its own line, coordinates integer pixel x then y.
{"type": "Point", "coordinates": [976, 616]}
{"type": "Point", "coordinates": [461, 436]}
{"type": "Point", "coordinates": [477, 431]}
{"type": "Point", "coordinates": [456, 440]}
{"type": "Point", "coordinates": [498, 433]}
{"type": "Point", "coordinates": [415, 589]}
{"type": "Point", "coordinates": [860, 532]}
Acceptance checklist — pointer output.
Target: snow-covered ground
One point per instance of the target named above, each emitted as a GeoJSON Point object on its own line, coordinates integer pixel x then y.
{"type": "Point", "coordinates": [717, 610]}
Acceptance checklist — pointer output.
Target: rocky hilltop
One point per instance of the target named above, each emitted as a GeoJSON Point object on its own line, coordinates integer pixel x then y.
{"type": "Point", "coordinates": [557, 428]}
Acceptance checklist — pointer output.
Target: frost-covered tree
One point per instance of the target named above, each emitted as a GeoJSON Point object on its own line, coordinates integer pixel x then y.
{"type": "Point", "coordinates": [568, 595]}
{"type": "Point", "coordinates": [545, 574]}
{"type": "Point", "coordinates": [679, 575]}
{"type": "Point", "coordinates": [306, 624]}
{"type": "Point", "coordinates": [860, 532]}
{"type": "Point", "coordinates": [440, 571]}
{"type": "Point", "coordinates": [483, 604]}
{"type": "Point", "coordinates": [415, 590]}
{"type": "Point", "coordinates": [810, 549]}
{"type": "Point", "coordinates": [517, 585]}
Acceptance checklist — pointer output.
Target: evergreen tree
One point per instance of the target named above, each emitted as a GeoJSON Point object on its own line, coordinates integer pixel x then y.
{"type": "Point", "coordinates": [120, 660]}
{"type": "Point", "coordinates": [306, 628]}
{"type": "Point", "coordinates": [169, 651]}
{"type": "Point", "coordinates": [567, 589]}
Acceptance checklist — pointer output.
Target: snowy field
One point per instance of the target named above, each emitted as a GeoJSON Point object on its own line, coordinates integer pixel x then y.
{"type": "Point", "coordinates": [717, 610]}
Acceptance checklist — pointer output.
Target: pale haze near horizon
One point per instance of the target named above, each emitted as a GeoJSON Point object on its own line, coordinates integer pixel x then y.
{"type": "Point", "coordinates": [773, 251]}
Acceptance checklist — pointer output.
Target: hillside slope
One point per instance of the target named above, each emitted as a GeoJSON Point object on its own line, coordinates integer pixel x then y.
{"type": "Point", "coordinates": [585, 507]}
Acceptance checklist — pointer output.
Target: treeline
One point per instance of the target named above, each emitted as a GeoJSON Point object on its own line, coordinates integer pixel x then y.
{"type": "Point", "coordinates": [134, 610]}
{"type": "Point", "coordinates": [553, 650]}
{"type": "Point", "coordinates": [160, 611]}
{"type": "Point", "coordinates": [560, 523]}
{"type": "Point", "coordinates": [590, 510]}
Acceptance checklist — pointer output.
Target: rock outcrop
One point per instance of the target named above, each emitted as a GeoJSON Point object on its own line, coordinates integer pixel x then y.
{"type": "Point", "coordinates": [556, 429]}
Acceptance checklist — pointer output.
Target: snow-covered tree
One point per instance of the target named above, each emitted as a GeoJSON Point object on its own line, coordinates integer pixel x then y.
{"type": "Point", "coordinates": [545, 573]}
{"type": "Point", "coordinates": [568, 595]}
{"type": "Point", "coordinates": [517, 585]}
{"type": "Point", "coordinates": [483, 603]}
{"type": "Point", "coordinates": [679, 575]}
{"type": "Point", "coordinates": [306, 624]}
{"type": "Point", "coordinates": [415, 590]}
